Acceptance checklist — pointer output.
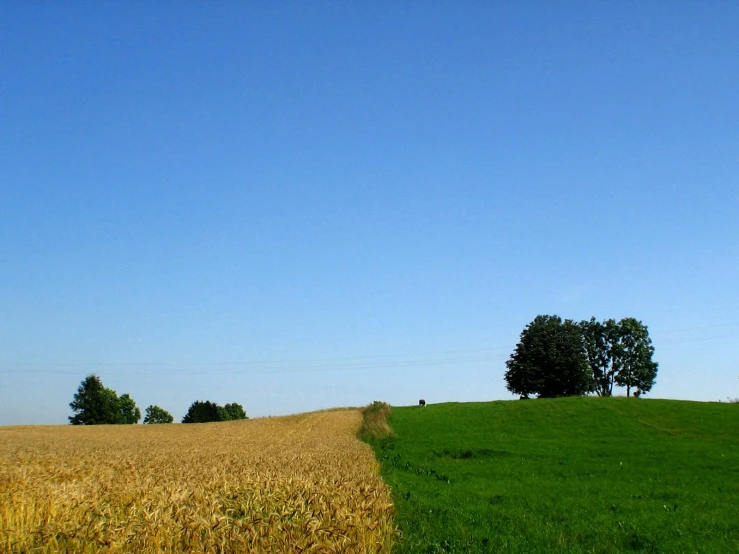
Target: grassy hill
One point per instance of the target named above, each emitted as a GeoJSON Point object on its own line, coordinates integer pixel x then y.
{"type": "Point", "coordinates": [565, 475]}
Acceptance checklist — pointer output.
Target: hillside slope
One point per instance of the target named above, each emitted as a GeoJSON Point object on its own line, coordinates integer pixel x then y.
{"type": "Point", "coordinates": [574, 475]}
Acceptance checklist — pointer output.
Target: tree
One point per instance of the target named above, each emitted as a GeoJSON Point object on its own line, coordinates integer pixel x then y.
{"type": "Point", "coordinates": [202, 412]}
{"type": "Point", "coordinates": [634, 357]}
{"type": "Point", "coordinates": [94, 404]}
{"type": "Point", "coordinates": [129, 412]}
{"type": "Point", "coordinates": [549, 360]}
{"type": "Point", "coordinates": [232, 412]}
{"type": "Point", "coordinates": [600, 341]}
{"type": "Point", "coordinates": [619, 354]}
{"type": "Point", "coordinates": [155, 414]}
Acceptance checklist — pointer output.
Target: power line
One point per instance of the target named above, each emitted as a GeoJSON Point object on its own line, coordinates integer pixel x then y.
{"type": "Point", "coordinates": [308, 364]}
{"type": "Point", "coordinates": [287, 369]}
{"type": "Point", "coordinates": [698, 328]}
{"type": "Point", "coordinates": [257, 362]}
{"type": "Point", "coordinates": [695, 339]}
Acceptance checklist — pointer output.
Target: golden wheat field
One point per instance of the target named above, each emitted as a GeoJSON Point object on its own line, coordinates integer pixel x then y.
{"type": "Point", "coordinates": [291, 484]}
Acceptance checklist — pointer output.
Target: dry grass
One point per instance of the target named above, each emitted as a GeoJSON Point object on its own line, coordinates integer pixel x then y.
{"type": "Point", "coordinates": [374, 421]}
{"type": "Point", "coordinates": [294, 484]}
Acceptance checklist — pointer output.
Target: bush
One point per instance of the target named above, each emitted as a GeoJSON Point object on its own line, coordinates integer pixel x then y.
{"type": "Point", "coordinates": [206, 412]}
{"type": "Point", "coordinates": [374, 421]}
{"type": "Point", "coordinates": [155, 414]}
{"type": "Point", "coordinates": [129, 412]}
{"type": "Point", "coordinates": [231, 412]}
{"type": "Point", "coordinates": [202, 412]}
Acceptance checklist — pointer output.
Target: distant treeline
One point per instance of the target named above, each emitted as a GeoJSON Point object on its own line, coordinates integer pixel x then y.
{"type": "Point", "coordinates": [94, 404]}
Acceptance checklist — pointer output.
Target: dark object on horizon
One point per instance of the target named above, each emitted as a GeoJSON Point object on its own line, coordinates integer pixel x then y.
{"type": "Point", "coordinates": [422, 403]}
{"type": "Point", "coordinates": [549, 360]}
{"type": "Point", "coordinates": [619, 354]}
{"type": "Point", "coordinates": [524, 397]}
{"type": "Point", "coordinates": [157, 415]}
{"type": "Point", "coordinates": [206, 412]}
{"type": "Point", "coordinates": [94, 404]}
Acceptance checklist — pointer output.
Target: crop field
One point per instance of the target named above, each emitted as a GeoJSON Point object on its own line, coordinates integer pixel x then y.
{"type": "Point", "coordinates": [291, 484]}
{"type": "Point", "coordinates": [574, 475]}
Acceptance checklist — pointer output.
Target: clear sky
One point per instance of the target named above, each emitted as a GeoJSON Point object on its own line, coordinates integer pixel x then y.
{"type": "Point", "coordinates": [301, 205]}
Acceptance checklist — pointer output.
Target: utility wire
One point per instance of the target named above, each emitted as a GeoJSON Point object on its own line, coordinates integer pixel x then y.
{"type": "Point", "coordinates": [262, 362]}
{"type": "Point", "coordinates": [299, 369]}
{"type": "Point", "coordinates": [308, 364]}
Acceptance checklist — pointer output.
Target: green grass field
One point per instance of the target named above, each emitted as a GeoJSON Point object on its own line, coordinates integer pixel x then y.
{"type": "Point", "coordinates": [565, 475]}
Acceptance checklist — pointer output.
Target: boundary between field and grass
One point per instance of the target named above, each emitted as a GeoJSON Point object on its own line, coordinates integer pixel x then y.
{"type": "Point", "coordinates": [374, 422]}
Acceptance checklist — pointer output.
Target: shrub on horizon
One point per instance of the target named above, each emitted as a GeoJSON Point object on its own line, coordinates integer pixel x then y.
{"type": "Point", "coordinates": [157, 415]}
{"type": "Point", "coordinates": [208, 412]}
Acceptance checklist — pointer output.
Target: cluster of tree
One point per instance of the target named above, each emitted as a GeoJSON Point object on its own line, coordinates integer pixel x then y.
{"type": "Point", "coordinates": [205, 412]}
{"type": "Point", "coordinates": [94, 404]}
{"type": "Point", "coordinates": [565, 358]}
{"type": "Point", "coordinates": [155, 414]}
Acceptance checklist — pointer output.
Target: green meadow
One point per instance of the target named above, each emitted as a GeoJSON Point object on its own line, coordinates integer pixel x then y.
{"type": "Point", "coordinates": [565, 475]}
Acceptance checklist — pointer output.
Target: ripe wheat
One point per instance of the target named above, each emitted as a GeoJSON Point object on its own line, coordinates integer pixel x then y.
{"type": "Point", "coordinates": [293, 484]}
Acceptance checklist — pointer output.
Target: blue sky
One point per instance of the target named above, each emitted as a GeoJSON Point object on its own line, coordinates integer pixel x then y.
{"type": "Point", "coordinates": [296, 206]}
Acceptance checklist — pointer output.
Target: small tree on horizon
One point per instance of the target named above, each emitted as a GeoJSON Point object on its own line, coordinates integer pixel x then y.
{"type": "Point", "coordinates": [157, 415]}
{"type": "Point", "coordinates": [93, 404]}
{"type": "Point", "coordinates": [636, 369]}
{"type": "Point", "coordinates": [206, 412]}
{"type": "Point", "coordinates": [202, 412]}
{"type": "Point", "coordinates": [129, 412]}
{"type": "Point", "coordinates": [233, 411]}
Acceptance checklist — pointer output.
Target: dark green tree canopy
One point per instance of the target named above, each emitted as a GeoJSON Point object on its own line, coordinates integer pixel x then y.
{"type": "Point", "coordinates": [202, 412]}
{"type": "Point", "coordinates": [94, 404]}
{"type": "Point", "coordinates": [205, 412]}
{"type": "Point", "coordinates": [636, 369]}
{"type": "Point", "coordinates": [232, 412]}
{"type": "Point", "coordinates": [155, 414]}
{"type": "Point", "coordinates": [129, 412]}
{"type": "Point", "coordinates": [619, 354]}
{"type": "Point", "coordinates": [600, 341]}
{"type": "Point", "coordinates": [549, 360]}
